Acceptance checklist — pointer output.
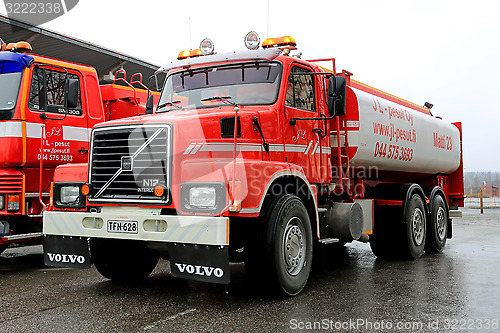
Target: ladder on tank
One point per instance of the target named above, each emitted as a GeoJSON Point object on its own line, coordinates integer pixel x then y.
{"type": "Point", "coordinates": [340, 155]}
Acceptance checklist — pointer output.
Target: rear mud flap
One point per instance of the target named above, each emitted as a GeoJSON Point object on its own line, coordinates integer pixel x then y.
{"type": "Point", "coordinates": [72, 252]}
{"type": "Point", "coordinates": [200, 262]}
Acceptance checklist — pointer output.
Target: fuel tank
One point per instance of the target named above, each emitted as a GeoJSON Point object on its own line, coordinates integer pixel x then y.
{"type": "Point", "coordinates": [390, 136]}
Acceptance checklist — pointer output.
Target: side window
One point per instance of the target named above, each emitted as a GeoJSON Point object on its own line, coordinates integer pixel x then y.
{"type": "Point", "coordinates": [300, 91]}
{"type": "Point", "coordinates": [47, 90]}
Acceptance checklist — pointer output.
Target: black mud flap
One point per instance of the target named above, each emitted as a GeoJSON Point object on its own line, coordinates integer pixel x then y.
{"type": "Point", "coordinates": [200, 262]}
{"type": "Point", "coordinates": [70, 252]}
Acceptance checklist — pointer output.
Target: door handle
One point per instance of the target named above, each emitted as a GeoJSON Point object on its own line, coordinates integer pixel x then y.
{"type": "Point", "coordinates": [83, 151]}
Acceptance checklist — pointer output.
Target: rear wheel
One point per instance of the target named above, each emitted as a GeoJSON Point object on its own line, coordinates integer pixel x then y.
{"type": "Point", "coordinates": [380, 247]}
{"type": "Point", "coordinates": [437, 226]}
{"type": "Point", "coordinates": [415, 230]}
{"type": "Point", "coordinates": [122, 260]}
{"type": "Point", "coordinates": [384, 242]}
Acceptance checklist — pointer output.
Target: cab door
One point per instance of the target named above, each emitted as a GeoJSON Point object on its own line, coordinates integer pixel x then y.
{"type": "Point", "coordinates": [302, 137]}
{"type": "Point", "coordinates": [65, 134]}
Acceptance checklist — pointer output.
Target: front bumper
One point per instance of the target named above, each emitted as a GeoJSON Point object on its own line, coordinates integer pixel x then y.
{"type": "Point", "coordinates": [202, 230]}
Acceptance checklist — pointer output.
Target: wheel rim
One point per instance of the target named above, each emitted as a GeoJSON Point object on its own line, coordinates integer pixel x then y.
{"type": "Point", "coordinates": [417, 222]}
{"type": "Point", "coordinates": [294, 248]}
{"type": "Point", "coordinates": [441, 223]}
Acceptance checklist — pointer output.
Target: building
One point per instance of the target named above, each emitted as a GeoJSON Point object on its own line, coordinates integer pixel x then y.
{"type": "Point", "coordinates": [491, 190]}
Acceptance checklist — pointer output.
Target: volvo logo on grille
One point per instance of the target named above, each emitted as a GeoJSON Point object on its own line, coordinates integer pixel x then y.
{"type": "Point", "coordinates": [127, 163]}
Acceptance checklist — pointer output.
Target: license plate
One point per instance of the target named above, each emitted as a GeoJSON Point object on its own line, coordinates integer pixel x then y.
{"type": "Point", "coordinates": [126, 227]}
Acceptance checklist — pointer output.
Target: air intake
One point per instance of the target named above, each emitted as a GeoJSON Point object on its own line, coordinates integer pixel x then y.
{"type": "Point", "coordinates": [227, 127]}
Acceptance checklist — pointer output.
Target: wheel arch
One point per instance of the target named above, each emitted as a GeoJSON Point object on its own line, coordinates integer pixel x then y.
{"type": "Point", "coordinates": [400, 192]}
{"type": "Point", "coordinates": [291, 182]}
{"type": "Point", "coordinates": [408, 190]}
{"type": "Point", "coordinates": [431, 192]}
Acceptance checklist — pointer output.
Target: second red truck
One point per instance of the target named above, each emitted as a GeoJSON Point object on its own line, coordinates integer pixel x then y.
{"type": "Point", "coordinates": [47, 110]}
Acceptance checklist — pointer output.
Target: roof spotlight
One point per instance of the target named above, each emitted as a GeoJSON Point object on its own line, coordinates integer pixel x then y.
{"type": "Point", "coordinates": [252, 40]}
{"type": "Point", "coordinates": [428, 105]}
{"type": "Point", "coordinates": [207, 46]}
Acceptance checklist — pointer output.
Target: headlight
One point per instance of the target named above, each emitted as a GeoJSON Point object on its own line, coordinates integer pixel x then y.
{"type": "Point", "coordinates": [69, 195]}
{"type": "Point", "coordinates": [2, 202]}
{"type": "Point", "coordinates": [208, 197]}
{"type": "Point", "coordinates": [202, 197]}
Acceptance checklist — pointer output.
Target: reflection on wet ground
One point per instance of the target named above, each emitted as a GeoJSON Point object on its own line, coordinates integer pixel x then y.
{"type": "Point", "coordinates": [458, 289]}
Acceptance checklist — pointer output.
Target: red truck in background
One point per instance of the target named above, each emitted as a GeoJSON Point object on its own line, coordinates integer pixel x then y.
{"type": "Point", "coordinates": [47, 110]}
{"type": "Point", "coordinates": [258, 156]}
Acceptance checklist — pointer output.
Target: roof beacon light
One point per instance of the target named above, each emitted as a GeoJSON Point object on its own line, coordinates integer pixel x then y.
{"type": "Point", "coordinates": [24, 47]}
{"type": "Point", "coordinates": [207, 47]}
{"type": "Point", "coordinates": [279, 42]}
{"type": "Point", "coordinates": [252, 40]}
{"type": "Point", "coordinates": [20, 47]}
{"type": "Point", "coordinates": [2, 45]}
{"type": "Point", "coordinates": [189, 54]}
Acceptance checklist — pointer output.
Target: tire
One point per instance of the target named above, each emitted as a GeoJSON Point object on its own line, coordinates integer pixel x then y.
{"type": "Point", "coordinates": [415, 228]}
{"type": "Point", "coordinates": [384, 242]}
{"type": "Point", "coordinates": [284, 247]}
{"type": "Point", "coordinates": [437, 226]}
{"type": "Point", "coordinates": [380, 247]}
{"type": "Point", "coordinates": [122, 260]}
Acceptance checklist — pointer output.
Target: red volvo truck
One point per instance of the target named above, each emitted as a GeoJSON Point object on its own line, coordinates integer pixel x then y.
{"type": "Point", "coordinates": [258, 156]}
{"type": "Point", "coordinates": [47, 109]}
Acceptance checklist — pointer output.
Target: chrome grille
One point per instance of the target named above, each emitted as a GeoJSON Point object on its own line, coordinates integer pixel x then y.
{"type": "Point", "coordinates": [127, 163]}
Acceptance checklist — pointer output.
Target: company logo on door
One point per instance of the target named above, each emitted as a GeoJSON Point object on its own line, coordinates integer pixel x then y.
{"type": "Point", "coordinates": [38, 12]}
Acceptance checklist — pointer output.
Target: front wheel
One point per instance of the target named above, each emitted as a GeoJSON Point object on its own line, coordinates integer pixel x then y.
{"type": "Point", "coordinates": [122, 260]}
{"type": "Point", "coordinates": [289, 244]}
{"type": "Point", "coordinates": [3, 247]}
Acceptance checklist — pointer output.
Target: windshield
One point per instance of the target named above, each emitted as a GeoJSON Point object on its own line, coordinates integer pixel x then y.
{"type": "Point", "coordinates": [9, 88]}
{"type": "Point", "coordinates": [254, 83]}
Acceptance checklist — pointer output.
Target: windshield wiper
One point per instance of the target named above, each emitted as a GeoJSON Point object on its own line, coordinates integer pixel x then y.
{"type": "Point", "coordinates": [173, 103]}
{"type": "Point", "coordinates": [223, 99]}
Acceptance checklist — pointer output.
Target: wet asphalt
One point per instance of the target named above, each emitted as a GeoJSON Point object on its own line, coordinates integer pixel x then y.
{"type": "Point", "coordinates": [456, 291]}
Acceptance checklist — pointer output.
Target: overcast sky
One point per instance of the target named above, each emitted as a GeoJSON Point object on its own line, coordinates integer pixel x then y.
{"type": "Point", "coordinates": [443, 52]}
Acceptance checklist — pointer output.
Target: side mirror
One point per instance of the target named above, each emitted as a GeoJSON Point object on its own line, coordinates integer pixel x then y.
{"type": "Point", "coordinates": [149, 105]}
{"type": "Point", "coordinates": [72, 87]}
{"type": "Point", "coordinates": [336, 96]}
